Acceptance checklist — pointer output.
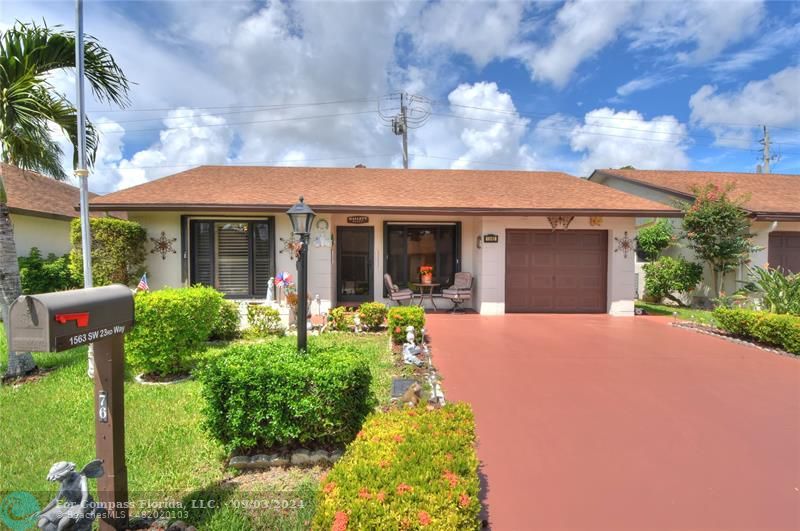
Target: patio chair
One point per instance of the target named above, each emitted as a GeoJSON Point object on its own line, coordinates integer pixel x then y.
{"type": "Point", "coordinates": [461, 290]}
{"type": "Point", "coordinates": [396, 294]}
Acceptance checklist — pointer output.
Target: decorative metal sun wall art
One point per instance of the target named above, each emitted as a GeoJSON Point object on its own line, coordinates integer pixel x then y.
{"type": "Point", "coordinates": [293, 246]}
{"type": "Point", "coordinates": [163, 245]}
{"type": "Point", "coordinates": [624, 244]}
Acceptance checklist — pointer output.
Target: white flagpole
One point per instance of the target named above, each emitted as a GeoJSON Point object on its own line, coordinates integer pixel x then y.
{"type": "Point", "coordinates": [81, 171]}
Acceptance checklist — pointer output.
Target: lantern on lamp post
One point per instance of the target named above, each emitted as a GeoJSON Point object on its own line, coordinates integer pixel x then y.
{"type": "Point", "coordinates": [302, 217]}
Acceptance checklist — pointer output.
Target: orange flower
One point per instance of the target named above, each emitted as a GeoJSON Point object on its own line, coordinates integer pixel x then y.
{"type": "Point", "coordinates": [360, 434]}
{"type": "Point", "coordinates": [424, 518]}
{"type": "Point", "coordinates": [329, 487]}
{"type": "Point", "coordinates": [451, 478]}
{"type": "Point", "coordinates": [339, 521]}
{"type": "Point", "coordinates": [411, 413]}
{"type": "Point", "coordinates": [403, 487]}
{"type": "Point", "coordinates": [448, 456]}
{"type": "Point", "coordinates": [364, 493]}
{"type": "Point", "coordinates": [398, 438]}
{"type": "Point", "coordinates": [380, 496]}
{"type": "Point", "coordinates": [384, 463]}
{"type": "Point", "coordinates": [463, 500]}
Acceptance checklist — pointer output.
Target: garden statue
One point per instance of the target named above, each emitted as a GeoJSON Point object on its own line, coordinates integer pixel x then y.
{"type": "Point", "coordinates": [270, 291]}
{"type": "Point", "coordinates": [410, 348]}
{"type": "Point", "coordinates": [79, 511]}
{"type": "Point", "coordinates": [357, 324]}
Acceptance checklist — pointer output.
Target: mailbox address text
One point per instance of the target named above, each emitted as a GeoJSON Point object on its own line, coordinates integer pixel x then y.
{"type": "Point", "coordinates": [90, 336]}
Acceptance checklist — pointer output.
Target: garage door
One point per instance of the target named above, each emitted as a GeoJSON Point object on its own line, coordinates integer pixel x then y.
{"type": "Point", "coordinates": [784, 250]}
{"type": "Point", "coordinates": [559, 272]}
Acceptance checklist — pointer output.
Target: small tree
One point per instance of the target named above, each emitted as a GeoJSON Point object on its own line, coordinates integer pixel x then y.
{"type": "Point", "coordinates": [667, 276]}
{"type": "Point", "coordinates": [117, 251]}
{"type": "Point", "coordinates": [654, 238]}
{"type": "Point", "coordinates": [717, 229]}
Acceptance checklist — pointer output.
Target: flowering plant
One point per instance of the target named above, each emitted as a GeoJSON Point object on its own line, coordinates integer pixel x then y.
{"type": "Point", "coordinates": [425, 270]}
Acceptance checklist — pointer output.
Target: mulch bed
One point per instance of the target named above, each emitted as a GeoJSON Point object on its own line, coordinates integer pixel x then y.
{"type": "Point", "coordinates": [712, 331]}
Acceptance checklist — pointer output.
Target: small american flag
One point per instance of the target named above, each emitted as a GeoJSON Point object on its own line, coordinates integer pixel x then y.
{"type": "Point", "coordinates": [143, 284]}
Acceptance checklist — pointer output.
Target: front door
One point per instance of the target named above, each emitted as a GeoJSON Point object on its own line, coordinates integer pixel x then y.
{"type": "Point", "coordinates": [355, 247]}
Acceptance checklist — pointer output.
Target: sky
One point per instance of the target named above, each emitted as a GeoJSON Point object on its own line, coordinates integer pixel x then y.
{"type": "Point", "coordinates": [569, 86]}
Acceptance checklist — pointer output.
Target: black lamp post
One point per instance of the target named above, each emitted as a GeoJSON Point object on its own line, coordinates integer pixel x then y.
{"type": "Point", "coordinates": [302, 217]}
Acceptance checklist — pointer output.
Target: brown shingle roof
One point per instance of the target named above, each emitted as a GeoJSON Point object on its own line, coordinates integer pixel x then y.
{"type": "Point", "coordinates": [377, 190]}
{"type": "Point", "coordinates": [34, 194]}
{"type": "Point", "coordinates": [767, 195]}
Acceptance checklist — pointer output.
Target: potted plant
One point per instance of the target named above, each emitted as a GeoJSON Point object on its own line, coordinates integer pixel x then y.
{"type": "Point", "coordinates": [426, 274]}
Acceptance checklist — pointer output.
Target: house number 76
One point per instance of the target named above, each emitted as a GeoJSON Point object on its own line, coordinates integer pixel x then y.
{"type": "Point", "coordinates": [102, 406]}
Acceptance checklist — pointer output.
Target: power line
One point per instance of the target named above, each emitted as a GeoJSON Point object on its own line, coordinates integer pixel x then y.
{"type": "Point", "coordinates": [274, 105]}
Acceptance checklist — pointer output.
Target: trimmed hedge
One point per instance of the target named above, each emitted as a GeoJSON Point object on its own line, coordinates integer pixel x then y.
{"type": "Point", "coordinates": [171, 325]}
{"type": "Point", "coordinates": [402, 316]}
{"type": "Point", "coordinates": [264, 320]}
{"type": "Point", "coordinates": [780, 330]}
{"type": "Point", "coordinates": [226, 327]}
{"type": "Point", "coordinates": [43, 275]}
{"type": "Point", "coordinates": [372, 314]}
{"type": "Point", "coordinates": [117, 251]}
{"type": "Point", "coordinates": [407, 469]}
{"type": "Point", "coordinates": [267, 395]}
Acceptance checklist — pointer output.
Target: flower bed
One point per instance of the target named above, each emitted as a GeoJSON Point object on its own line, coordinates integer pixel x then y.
{"type": "Point", "coordinates": [407, 469]}
{"type": "Point", "coordinates": [400, 317]}
{"type": "Point", "coordinates": [779, 330]}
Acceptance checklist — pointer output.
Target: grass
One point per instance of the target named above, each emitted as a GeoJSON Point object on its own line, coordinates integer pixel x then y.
{"type": "Point", "coordinates": [686, 314]}
{"type": "Point", "coordinates": [169, 456]}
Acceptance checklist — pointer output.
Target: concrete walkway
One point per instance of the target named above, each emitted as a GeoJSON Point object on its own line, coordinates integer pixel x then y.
{"type": "Point", "coordinates": [604, 423]}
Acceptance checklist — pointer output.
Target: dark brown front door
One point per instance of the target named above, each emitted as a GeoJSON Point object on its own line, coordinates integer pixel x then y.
{"type": "Point", "coordinates": [784, 251]}
{"type": "Point", "coordinates": [556, 271]}
{"type": "Point", "coordinates": [354, 264]}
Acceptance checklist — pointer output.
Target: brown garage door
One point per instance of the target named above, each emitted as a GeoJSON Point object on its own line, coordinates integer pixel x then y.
{"type": "Point", "coordinates": [784, 251]}
{"type": "Point", "coordinates": [559, 272]}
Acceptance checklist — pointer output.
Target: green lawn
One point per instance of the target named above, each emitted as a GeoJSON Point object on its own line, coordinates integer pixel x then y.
{"type": "Point", "coordinates": [169, 456]}
{"type": "Point", "coordinates": [684, 314]}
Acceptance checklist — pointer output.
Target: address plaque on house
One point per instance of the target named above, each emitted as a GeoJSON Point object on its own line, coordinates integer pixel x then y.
{"type": "Point", "coordinates": [357, 220]}
{"type": "Point", "coordinates": [491, 238]}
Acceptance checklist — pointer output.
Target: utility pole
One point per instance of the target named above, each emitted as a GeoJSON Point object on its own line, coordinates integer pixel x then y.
{"type": "Point", "coordinates": [413, 112]}
{"type": "Point", "coordinates": [81, 171]}
{"type": "Point", "coordinates": [766, 154]}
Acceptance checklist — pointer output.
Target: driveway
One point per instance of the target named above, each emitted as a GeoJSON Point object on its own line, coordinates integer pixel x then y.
{"type": "Point", "coordinates": [599, 422]}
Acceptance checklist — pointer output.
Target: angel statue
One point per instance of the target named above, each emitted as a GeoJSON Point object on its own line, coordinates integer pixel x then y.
{"type": "Point", "coordinates": [79, 511]}
{"type": "Point", "coordinates": [270, 291]}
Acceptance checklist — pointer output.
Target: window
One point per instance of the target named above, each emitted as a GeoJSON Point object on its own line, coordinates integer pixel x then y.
{"type": "Point", "coordinates": [410, 246]}
{"type": "Point", "coordinates": [234, 256]}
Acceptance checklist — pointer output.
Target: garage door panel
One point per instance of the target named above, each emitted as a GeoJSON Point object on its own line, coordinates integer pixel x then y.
{"type": "Point", "coordinates": [784, 251]}
{"type": "Point", "coordinates": [564, 271]}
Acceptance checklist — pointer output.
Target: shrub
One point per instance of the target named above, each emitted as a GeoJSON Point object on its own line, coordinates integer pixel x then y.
{"type": "Point", "coordinates": [668, 275]}
{"type": "Point", "coordinates": [400, 317]}
{"type": "Point", "coordinates": [654, 238]}
{"type": "Point", "coordinates": [780, 291]}
{"type": "Point", "coordinates": [407, 469]}
{"type": "Point", "coordinates": [171, 324]}
{"type": "Point", "coordinates": [267, 394]}
{"type": "Point", "coordinates": [264, 320]}
{"type": "Point", "coordinates": [117, 251]}
{"type": "Point", "coordinates": [341, 318]}
{"type": "Point", "coordinates": [226, 327]}
{"type": "Point", "coordinates": [372, 314]}
{"type": "Point", "coordinates": [42, 275]}
{"type": "Point", "coordinates": [782, 331]}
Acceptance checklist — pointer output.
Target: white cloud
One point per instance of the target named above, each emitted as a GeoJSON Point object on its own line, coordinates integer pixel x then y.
{"type": "Point", "coordinates": [640, 84]}
{"type": "Point", "coordinates": [772, 101]}
{"type": "Point", "coordinates": [611, 139]}
{"type": "Point", "coordinates": [770, 44]}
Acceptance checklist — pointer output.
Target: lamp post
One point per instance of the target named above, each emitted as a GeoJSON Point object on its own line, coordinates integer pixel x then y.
{"type": "Point", "coordinates": [302, 217]}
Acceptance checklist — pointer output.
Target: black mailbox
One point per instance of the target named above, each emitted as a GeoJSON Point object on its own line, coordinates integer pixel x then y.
{"type": "Point", "coordinates": [52, 322]}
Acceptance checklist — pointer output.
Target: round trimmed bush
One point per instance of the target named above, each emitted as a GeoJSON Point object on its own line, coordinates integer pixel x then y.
{"type": "Point", "coordinates": [226, 327]}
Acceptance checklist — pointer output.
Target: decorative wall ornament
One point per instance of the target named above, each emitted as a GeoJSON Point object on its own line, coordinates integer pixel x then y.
{"type": "Point", "coordinates": [163, 245]}
{"type": "Point", "coordinates": [292, 246]}
{"type": "Point", "coordinates": [624, 244]}
{"type": "Point", "coordinates": [560, 222]}
{"type": "Point", "coordinates": [596, 221]}
{"type": "Point", "coordinates": [480, 241]}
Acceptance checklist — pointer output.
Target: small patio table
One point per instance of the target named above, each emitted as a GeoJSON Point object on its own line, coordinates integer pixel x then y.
{"type": "Point", "coordinates": [419, 286]}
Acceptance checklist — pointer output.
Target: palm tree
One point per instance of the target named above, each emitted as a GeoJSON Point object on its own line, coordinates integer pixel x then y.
{"type": "Point", "coordinates": [29, 107]}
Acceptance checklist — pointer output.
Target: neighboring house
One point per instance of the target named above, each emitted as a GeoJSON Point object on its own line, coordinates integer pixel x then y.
{"type": "Point", "coordinates": [41, 210]}
{"type": "Point", "coordinates": [772, 200]}
{"type": "Point", "coordinates": [226, 227]}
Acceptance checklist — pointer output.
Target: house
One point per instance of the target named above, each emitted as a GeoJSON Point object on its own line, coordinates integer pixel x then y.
{"type": "Point", "coordinates": [771, 200]}
{"type": "Point", "coordinates": [226, 226]}
{"type": "Point", "coordinates": [41, 210]}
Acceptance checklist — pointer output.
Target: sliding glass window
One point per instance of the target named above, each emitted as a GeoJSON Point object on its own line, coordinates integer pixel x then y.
{"type": "Point", "coordinates": [234, 256]}
{"type": "Point", "coordinates": [411, 246]}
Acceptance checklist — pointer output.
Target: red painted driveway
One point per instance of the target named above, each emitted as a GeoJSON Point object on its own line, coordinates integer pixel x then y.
{"type": "Point", "coordinates": [597, 422]}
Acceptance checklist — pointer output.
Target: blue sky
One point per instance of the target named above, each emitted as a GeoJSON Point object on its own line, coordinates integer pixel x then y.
{"type": "Point", "coordinates": [544, 85]}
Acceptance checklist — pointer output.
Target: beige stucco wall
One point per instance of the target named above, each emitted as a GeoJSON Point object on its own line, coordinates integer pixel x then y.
{"type": "Point", "coordinates": [486, 263]}
{"type": "Point", "coordinates": [492, 259]}
{"type": "Point", "coordinates": [49, 235]}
